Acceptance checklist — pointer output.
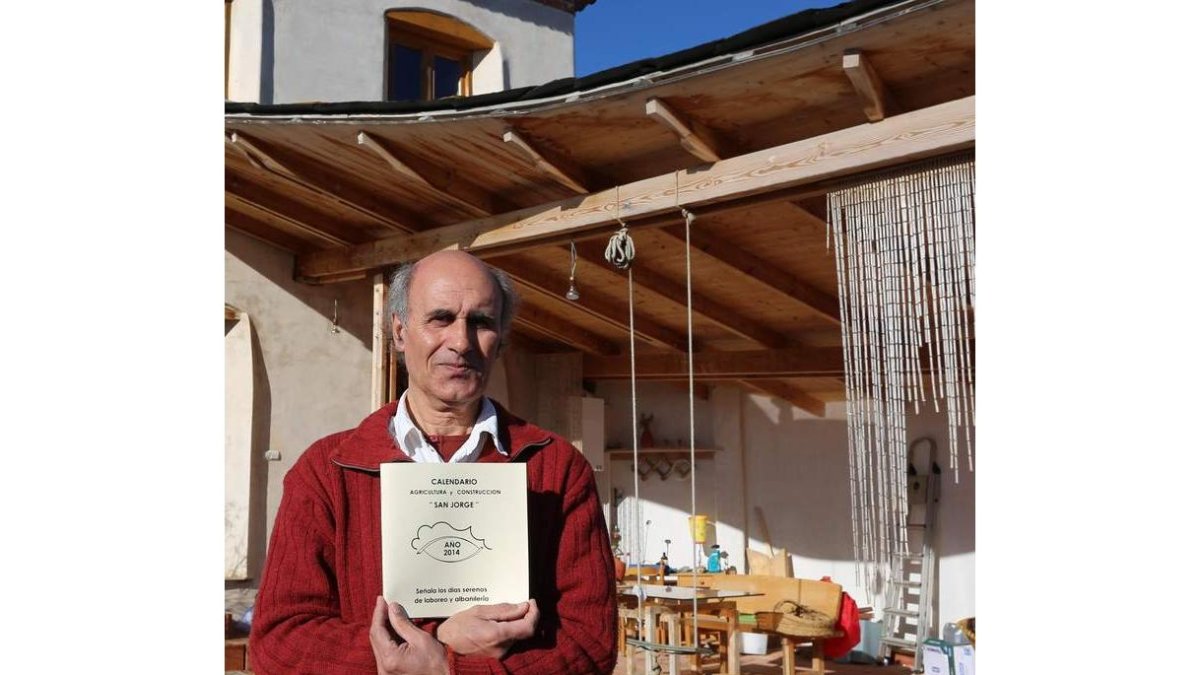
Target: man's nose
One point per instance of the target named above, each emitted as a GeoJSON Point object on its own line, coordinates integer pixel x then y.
{"type": "Point", "coordinates": [460, 336]}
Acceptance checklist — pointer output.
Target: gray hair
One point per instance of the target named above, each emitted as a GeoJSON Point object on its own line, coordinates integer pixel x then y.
{"type": "Point", "coordinates": [402, 284]}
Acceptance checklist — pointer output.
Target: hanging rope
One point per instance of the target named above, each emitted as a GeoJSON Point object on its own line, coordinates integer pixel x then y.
{"type": "Point", "coordinates": [620, 253]}
{"type": "Point", "coordinates": [688, 217]}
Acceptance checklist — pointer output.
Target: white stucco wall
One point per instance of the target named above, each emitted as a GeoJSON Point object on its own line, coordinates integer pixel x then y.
{"type": "Point", "coordinates": [335, 51]}
{"type": "Point", "coordinates": [795, 468]}
{"type": "Point", "coordinates": [245, 50]}
{"type": "Point", "coordinates": [313, 382]}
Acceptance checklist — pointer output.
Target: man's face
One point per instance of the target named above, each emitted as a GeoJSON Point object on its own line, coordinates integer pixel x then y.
{"type": "Point", "coordinates": [452, 335]}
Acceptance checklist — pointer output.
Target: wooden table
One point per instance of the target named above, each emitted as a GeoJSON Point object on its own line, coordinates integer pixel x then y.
{"type": "Point", "coordinates": [670, 604]}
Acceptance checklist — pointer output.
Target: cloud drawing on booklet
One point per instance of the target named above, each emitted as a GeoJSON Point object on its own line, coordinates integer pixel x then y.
{"type": "Point", "coordinates": [446, 543]}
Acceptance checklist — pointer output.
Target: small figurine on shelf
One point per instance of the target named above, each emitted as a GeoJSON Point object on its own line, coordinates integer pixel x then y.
{"type": "Point", "coordinates": [619, 564]}
{"type": "Point", "coordinates": [647, 438]}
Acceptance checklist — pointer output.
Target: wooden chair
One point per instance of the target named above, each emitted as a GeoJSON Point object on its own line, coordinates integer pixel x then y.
{"type": "Point", "coordinates": [720, 625]}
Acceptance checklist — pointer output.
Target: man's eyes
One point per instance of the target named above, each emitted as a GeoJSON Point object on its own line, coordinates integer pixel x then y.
{"type": "Point", "coordinates": [476, 321]}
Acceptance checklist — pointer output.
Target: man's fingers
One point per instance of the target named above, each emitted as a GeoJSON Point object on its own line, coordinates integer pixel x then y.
{"type": "Point", "coordinates": [379, 635]}
{"type": "Point", "coordinates": [504, 611]}
{"type": "Point", "coordinates": [534, 613]}
{"type": "Point", "coordinates": [401, 623]}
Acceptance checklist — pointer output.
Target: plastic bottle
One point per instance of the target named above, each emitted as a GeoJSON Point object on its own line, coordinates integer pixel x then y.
{"type": "Point", "coordinates": [714, 559]}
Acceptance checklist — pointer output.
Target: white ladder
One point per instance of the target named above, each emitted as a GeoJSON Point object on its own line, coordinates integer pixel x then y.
{"type": "Point", "coordinates": [908, 612]}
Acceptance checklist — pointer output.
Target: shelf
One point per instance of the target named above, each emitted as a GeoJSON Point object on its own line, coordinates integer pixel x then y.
{"type": "Point", "coordinates": [670, 454]}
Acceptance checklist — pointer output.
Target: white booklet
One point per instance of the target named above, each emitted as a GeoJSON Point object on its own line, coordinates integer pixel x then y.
{"type": "Point", "coordinates": [454, 535]}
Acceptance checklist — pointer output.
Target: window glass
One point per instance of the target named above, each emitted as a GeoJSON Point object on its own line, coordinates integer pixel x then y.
{"type": "Point", "coordinates": [446, 74]}
{"type": "Point", "coordinates": [404, 74]}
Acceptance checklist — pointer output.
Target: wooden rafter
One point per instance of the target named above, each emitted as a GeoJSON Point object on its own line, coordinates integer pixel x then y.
{"type": "Point", "coordinates": [784, 170]}
{"type": "Point", "coordinates": [550, 286]}
{"type": "Point", "coordinates": [545, 323]}
{"type": "Point", "coordinates": [314, 184]}
{"type": "Point", "coordinates": [761, 272]}
{"type": "Point", "coordinates": [441, 181]}
{"type": "Point", "coordinates": [693, 136]}
{"type": "Point", "coordinates": [708, 366]}
{"type": "Point", "coordinates": [876, 100]}
{"type": "Point", "coordinates": [239, 203]}
{"type": "Point", "coordinates": [789, 393]}
{"type": "Point", "coordinates": [558, 168]}
{"type": "Point", "coordinates": [253, 227]}
{"type": "Point", "coordinates": [726, 317]}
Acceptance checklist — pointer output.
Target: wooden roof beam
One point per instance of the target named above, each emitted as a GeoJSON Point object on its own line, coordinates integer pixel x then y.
{"type": "Point", "coordinates": [723, 316]}
{"type": "Point", "coordinates": [765, 364]}
{"type": "Point", "coordinates": [761, 272]}
{"type": "Point", "coordinates": [268, 162]}
{"type": "Point", "coordinates": [877, 102]}
{"type": "Point", "coordinates": [444, 182]}
{"type": "Point", "coordinates": [782, 172]}
{"type": "Point", "coordinates": [544, 323]}
{"type": "Point", "coordinates": [693, 136]}
{"type": "Point", "coordinates": [554, 287]}
{"type": "Point", "coordinates": [243, 205]}
{"type": "Point", "coordinates": [560, 169]}
{"type": "Point", "coordinates": [788, 393]}
{"type": "Point", "coordinates": [284, 206]}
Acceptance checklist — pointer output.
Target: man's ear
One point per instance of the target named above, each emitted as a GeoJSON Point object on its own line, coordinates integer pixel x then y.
{"type": "Point", "coordinates": [397, 333]}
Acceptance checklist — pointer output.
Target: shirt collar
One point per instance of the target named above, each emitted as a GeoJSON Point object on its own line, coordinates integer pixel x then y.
{"type": "Point", "coordinates": [413, 444]}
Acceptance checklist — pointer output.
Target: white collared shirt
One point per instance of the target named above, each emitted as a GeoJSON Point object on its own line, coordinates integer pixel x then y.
{"type": "Point", "coordinates": [413, 443]}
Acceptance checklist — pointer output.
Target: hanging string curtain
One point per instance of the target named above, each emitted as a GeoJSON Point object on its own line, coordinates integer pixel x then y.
{"type": "Point", "coordinates": [904, 241]}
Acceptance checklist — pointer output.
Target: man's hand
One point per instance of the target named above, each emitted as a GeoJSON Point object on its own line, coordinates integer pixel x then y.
{"type": "Point", "coordinates": [489, 630]}
{"type": "Point", "coordinates": [419, 654]}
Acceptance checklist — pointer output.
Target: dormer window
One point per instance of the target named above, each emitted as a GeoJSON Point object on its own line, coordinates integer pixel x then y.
{"type": "Point", "coordinates": [430, 56]}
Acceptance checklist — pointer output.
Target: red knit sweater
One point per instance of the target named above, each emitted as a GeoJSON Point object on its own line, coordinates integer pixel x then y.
{"type": "Point", "coordinates": [323, 570]}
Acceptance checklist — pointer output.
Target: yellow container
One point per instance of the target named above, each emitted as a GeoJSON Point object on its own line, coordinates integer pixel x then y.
{"type": "Point", "coordinates": [699, 527]}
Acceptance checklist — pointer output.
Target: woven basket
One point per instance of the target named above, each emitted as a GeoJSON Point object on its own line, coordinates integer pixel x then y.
{"type": "Point", "coordinates": [795, 619]}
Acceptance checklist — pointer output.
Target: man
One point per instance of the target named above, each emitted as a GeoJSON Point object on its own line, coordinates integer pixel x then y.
{"type": "Point", "coordinates": [319, 607]}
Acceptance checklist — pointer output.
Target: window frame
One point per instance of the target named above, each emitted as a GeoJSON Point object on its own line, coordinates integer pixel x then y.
{"type": "Point", "coordinates": [433, 35]}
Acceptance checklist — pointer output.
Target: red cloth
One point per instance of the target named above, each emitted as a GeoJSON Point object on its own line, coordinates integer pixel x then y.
{"type": "Point", "coordinates": [323, 570]}
{"type": "Point", "coordinates": [847, 623]}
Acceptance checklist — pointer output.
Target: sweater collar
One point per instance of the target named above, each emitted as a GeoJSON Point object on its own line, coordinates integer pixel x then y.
{"type": "Point", "coordinates": [372, 444]}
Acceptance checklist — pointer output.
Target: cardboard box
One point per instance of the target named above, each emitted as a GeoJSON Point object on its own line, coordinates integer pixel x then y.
{"type": "Point", "coordinates": [964, 660]}
{"type": "Point", "coordinates": [937, 657]}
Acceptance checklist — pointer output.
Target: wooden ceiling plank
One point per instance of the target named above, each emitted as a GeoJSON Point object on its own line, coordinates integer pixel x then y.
{"type": "Point", "coordinates": [269, 163]}
{"type": "Point", "coordinates": [552, 326]}
{"type": "Point", "coordinates": [468, 198]}
{"type": "Point", "coordinates": [693, 136]}
{"type": "Point", "coordinates": [239, 203]}
{"type": "Point", "coordinates": [898, 139]}
{"type": "Point", "coordinates": [877, 102]}
{"type": "Point", "coordinates": [725, 317]}
{"type": "Point", "coordinates": [807, 218]}
{"type": "Point", "coordinates": [711, 365]}
{"type": "Point", "coordinates": [793, 395]}
{"type": "Point", "coordinates": [560, 169]}
{"type": "Point", "coordinates": [761, 271]}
